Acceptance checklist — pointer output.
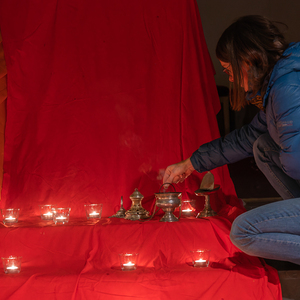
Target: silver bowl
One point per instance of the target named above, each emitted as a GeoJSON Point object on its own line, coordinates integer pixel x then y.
{"type": "Point", "coordinates": [168, 203]}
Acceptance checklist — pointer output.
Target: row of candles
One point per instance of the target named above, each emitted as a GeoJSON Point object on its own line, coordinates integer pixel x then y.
{"type": "Point", "coordinates": [62, 215]}
{"type": "Point", "coordinates": [128, 261]}
{"type": "Point", "coordinates": [51, 212]}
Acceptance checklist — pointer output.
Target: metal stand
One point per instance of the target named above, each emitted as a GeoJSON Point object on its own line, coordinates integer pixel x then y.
{"type": "Point", "coordinates": [207, 211]}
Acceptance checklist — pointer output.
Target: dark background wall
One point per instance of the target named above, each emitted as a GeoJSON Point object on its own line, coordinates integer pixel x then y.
{"type": "Point", "coordinates": [217, 15]}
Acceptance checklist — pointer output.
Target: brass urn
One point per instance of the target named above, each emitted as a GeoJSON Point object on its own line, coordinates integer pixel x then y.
{"type": "Point", "coordinates": [136, 211]}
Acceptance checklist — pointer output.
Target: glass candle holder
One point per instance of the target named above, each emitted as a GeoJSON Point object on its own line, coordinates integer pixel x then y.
{"type": "Point", "coordinates": [128, 261]}
{"type": "Point", "coordinates": [12, 264]}
{"type": "Point", "coordinates": [93, 211]}
{"type": "Point", "coordinates": [46, 211]}
{"type": "Point", "coordinates": [61, 215]}
{"type": "Point", "coordinates": [187, 207]}
{"type": "Point", "coordinates": [10, 215]}
{"type": "Point", "coordinates": [200, 258]}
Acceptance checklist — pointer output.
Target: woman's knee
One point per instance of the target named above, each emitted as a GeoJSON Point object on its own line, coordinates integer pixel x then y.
{"type": "Point", "coordinates": [240, 235]}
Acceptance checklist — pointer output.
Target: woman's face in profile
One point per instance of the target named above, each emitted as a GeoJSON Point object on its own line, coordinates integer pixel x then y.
{"type": "Point", "coordinates": [227, 68]}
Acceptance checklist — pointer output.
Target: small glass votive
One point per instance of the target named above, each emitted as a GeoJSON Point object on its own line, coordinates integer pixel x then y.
{"type": "Point", "coordinates": [12, 264]}
{"type": "Point", "coordinates": [46, 211]}
{"type": "Point", "coordinates": [200, 258]}
{"type": "Point", "coordinates": [61, 215]}
{"type": "Point", "coordinates": [10, 215]}
{"type": "Point", "coordinates": [187, 208]}
{"type": "Point", "coordinates": [93, 211]}
{"type": "Point", "coordinates": [128, 261]}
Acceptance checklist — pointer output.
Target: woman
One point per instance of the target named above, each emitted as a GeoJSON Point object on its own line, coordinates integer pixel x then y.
{"type": "Point", "coordinates": [264, 70]}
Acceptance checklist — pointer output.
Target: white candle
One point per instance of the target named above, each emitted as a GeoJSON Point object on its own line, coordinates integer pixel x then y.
{"type": "Point", "coordinates": [61, 218]}
{"type": "Point", "coordinates": [12, 267]}
{"type": "Point", "coordinates": [200, 263]}
{"type": "Point", "coordinates": [48, 214]}
{"type": "Point", "coordinates": [10, 219]}
{"type": "Point", "coordinates": [94, 214]}
{"type": "Point", "coordinates": [129, 266]}
{"type": "Point", "coordinates": [187, 210]}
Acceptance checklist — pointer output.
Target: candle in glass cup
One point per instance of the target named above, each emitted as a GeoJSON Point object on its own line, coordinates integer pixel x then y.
{"type": "Point", "coordinates": [61, 215]}
{"type": "Point", "coordinates": [200, 258]}
{"type": "Point", "coordinates": [187, 208]}
{"type": "Point", "coordinates": [128, 261]}
{"type": "Point", "coordinates": [93, 211]}
{"type": "Point", "coordinates": [10, 215]}
{"type": "Point", "coordinates": [46, 211]}
{"type": "Point", "coordinates": [12, 264]}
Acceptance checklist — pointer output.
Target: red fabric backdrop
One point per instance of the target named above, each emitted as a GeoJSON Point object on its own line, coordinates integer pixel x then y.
{"type": "Point", "coordinates": [102, 96]}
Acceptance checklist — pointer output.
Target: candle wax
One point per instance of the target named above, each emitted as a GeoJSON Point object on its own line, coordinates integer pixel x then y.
{"type": "Point", "coordinates": [129, 264]}
{"type": "Point", "coordinates": [200, 263]}
{"type": "Point", "coordinates": [94, 214]}
{"type": "Point", "coordinates": [48, 214]}
{"type": "Point", "coordinates": [12, 268]}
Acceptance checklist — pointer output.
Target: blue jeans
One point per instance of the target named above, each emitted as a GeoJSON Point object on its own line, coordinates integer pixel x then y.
{"type": "Point", "coordinates": [270, 231]}
{"type": "Point", "coordinates": [266, 155]}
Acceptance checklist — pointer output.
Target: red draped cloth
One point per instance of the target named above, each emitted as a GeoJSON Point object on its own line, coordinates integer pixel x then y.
{"type": "Point", "coordinates": [102, 96]}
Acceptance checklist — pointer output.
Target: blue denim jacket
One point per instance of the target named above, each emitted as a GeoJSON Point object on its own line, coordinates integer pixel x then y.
{"type": "Point", "coordinates": [281, 119]}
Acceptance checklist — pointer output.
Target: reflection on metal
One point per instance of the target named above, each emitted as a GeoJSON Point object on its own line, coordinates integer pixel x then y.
{"type": "Point", "coordinates": [121, 212]}
{"type": "Point", "coordinates": [168, 201]}
{"type": "Point", "coordinates": [136, 211]}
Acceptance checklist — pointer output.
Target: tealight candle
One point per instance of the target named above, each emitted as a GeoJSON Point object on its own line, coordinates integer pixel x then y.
{"type": "Point", "coordinates": [10, 215]}
{"type": "Point", "coordinates": [200, 258]}
{"type": "Point", "coordinates": [61, 215]}
{"type": "Point", "coordinates": [12, 264]}
{"type": "Point", "coordinates": [200, 263]}
{"type": "Point", "coordinates": [187, 208]}
{"type": "Point", "coordinates": [128, 261]}
{"type": "Point", "coordinates": [46, 211]}
{"type": "Point", "coordinates": [129, 266]}
{"type": "Point", "coordinates": [93, 211]}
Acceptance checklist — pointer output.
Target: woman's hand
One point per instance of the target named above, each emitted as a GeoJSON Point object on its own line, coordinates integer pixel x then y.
{"type": "Point", "coordinates": [178, 172]}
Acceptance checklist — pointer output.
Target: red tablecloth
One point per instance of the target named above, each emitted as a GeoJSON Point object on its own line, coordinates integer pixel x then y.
{"type": "Point", "coordinates": [80, 261]}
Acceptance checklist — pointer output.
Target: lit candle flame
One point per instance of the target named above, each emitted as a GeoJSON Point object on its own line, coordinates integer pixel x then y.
{"type": "Point", "coordinates": [129, 264]}
{"type": "Point", "coordinates": [48, 214]}
{"type": "Point", "coordinates": [13, 267]}
{"type": "Point", "coordinates": [94, 213]}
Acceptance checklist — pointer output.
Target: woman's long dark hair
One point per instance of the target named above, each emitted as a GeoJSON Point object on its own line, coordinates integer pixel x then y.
{"type": "Point", "coordinates": [255, 41]}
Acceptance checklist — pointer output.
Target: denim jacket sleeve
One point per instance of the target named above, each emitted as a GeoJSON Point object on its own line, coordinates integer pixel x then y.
{"type": "Point", "coordinates": [235, 146]}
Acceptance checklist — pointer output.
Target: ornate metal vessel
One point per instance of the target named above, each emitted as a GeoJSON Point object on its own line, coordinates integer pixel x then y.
{"type": "Point", "coordinates": [121, 212]}
{"type": "Point", "coordinates": [136, 211]}
{"type": "Point", "coordinates": [168, 201]}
